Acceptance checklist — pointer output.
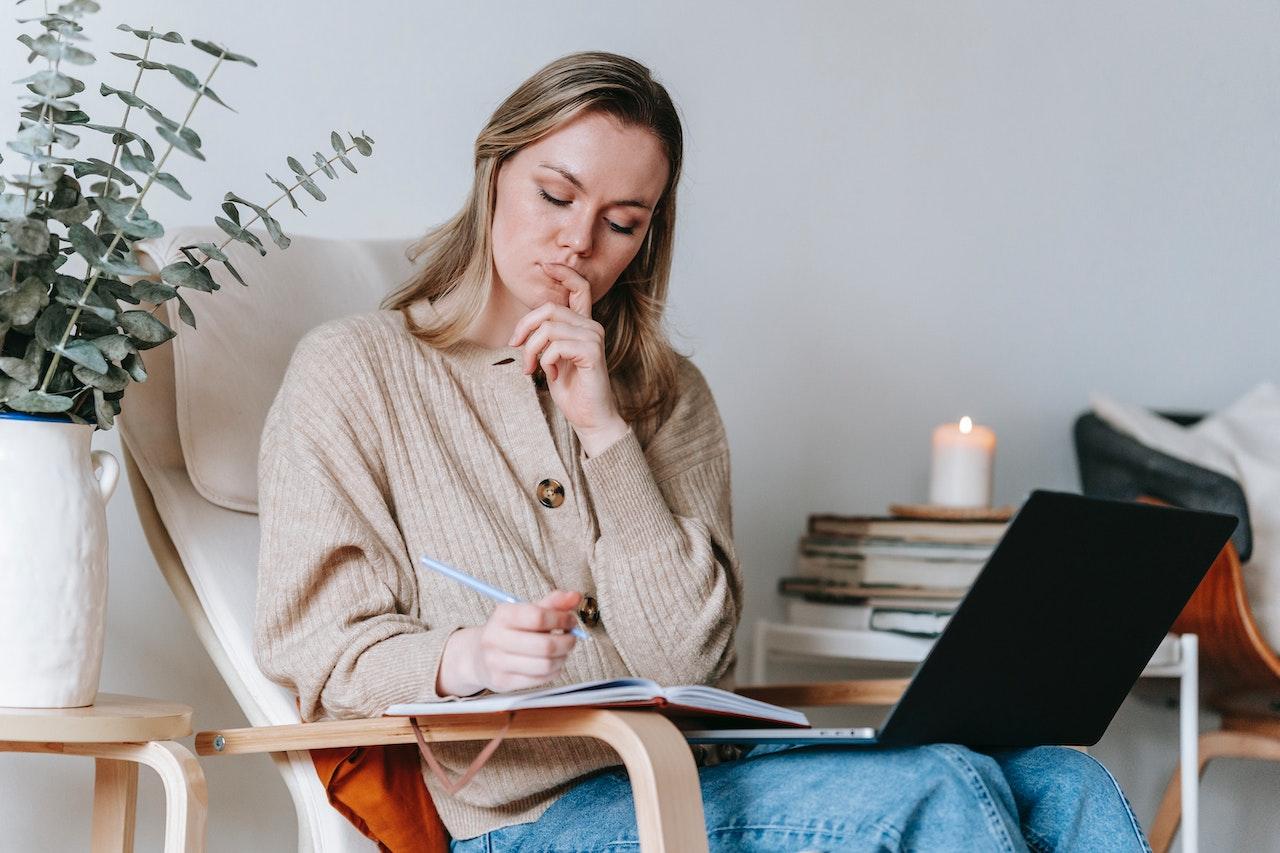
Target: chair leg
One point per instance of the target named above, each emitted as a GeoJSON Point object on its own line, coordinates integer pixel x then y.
{"type": "Point", "coordinates": [1213, 745]}
{"type": "Point", "coordinates": [664, 781]}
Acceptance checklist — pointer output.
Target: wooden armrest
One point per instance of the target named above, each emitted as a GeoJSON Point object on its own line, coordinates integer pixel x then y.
{"type": "Point", "coordinates": [870, 691]}
{"type": "Point", "coordinates": [664, 779]}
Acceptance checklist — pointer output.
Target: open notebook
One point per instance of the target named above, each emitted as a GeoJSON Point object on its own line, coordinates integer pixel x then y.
{"type": "Point", "coordinates": [694, 701]}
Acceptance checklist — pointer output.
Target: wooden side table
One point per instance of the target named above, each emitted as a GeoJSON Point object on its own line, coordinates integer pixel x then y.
{"type": "Point", "coordinates": [119, 733]}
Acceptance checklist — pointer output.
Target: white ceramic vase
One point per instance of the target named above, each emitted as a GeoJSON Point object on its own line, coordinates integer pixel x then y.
{"type": "Point", "coordinates": [53, 561]}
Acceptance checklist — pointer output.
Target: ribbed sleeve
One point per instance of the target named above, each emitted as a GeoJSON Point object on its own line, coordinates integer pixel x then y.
{"type": "Point", "coordinates": [670, 584]}
{"type": "Point", "coordinates": [335, 595]}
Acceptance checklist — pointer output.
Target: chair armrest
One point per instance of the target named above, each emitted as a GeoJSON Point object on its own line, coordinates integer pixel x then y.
{"type": "Point", "coordinates": [871, 691]}
{"type": "Point", "coordinates": [664, 779]}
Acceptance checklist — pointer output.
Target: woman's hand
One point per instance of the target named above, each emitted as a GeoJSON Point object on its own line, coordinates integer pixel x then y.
{"type": "Point", "coordinates": [569, 346]}
{"type": "Point", "coordinates": [518, 647]}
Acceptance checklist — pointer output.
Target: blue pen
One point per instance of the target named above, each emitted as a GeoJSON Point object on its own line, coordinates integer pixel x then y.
{"type": "Point", "coordinates": [483, 588]}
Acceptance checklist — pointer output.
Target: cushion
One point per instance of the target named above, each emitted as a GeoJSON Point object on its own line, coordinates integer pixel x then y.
{"type": "Point", "coordinates": [1243, 442]}
{"type": "Point", "coordinates": [227, 371]}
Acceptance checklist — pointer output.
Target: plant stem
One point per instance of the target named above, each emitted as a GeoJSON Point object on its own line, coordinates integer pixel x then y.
{"type": "Point", "coordinates": [125, 121]}
{"type": "Point", "coordinates": [282, 196]}
{"type": "Point", "coordinates": [88, 288]}
{"type": "Point", "coordinates": [31, 165]}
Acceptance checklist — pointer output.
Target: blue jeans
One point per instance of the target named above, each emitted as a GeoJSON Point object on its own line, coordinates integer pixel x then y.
{"type": "Point", "coordinates": [810, 798]}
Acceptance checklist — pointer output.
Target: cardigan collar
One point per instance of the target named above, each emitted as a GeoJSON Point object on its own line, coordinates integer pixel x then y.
{"type": "Point", "coordinates": [493, 365]}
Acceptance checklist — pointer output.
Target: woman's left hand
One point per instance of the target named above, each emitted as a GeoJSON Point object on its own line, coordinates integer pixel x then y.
{"type": "Point", "coordinates": [569, 346]}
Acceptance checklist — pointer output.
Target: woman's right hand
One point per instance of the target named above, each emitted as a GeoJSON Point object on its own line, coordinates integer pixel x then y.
{"type": "Point", "coordinates": [513, 650]}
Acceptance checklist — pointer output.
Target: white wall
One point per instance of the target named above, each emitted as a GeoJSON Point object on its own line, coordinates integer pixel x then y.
{"type": "Point", "coordinates": [892, 214]}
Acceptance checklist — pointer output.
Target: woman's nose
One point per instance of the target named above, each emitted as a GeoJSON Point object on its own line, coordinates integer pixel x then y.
{"type": "Point", "coordinates": [576, 235]}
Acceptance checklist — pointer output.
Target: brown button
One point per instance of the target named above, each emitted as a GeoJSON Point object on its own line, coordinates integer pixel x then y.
{"type": "Point", "coordinates": [550, 493]}
{"type": "Point", "coordinates": [589, 612]}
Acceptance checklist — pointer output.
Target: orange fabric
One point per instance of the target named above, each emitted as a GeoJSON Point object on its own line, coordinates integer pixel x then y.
{"type": "Point", "coordinates": [380, 790]}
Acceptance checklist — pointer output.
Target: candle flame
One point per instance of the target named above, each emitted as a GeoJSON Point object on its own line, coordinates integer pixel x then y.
{"type": "Point", "coordinates": [966, 425]}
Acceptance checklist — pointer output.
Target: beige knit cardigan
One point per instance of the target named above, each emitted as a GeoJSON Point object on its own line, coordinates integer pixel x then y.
{"type": "Point", "coordinates": [380, 448]}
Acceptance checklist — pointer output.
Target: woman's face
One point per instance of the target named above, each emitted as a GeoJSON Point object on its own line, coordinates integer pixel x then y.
{"type": "Point", "coordinates": [582, 196]}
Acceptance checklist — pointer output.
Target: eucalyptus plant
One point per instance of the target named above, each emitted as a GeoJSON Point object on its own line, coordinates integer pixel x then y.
{"type": "Point", "coordinates": [67, 343]}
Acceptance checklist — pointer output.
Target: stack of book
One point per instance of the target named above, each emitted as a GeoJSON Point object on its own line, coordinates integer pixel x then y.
{"type": "Point", "coordinates": [874, 573]}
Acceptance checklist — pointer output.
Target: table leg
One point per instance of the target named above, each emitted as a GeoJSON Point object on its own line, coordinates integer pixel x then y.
{"type": "Point", "coordinates": [1189, 741]}
{"type": "Point", "coordinates": [185, 794]}
{"type": "Point", "coordinates": [115, 799]}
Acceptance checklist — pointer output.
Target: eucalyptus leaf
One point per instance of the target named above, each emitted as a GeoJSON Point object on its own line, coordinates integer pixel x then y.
{"type": "Point", "coordinates": [325, 167]}
{"type": "Point", "coordinates": [179, 142]}
{"type": "Point", "coordinates": [21, 371]}
{"type": "Point", "coordinates": [185, 77]}
{"type": "Point", "coordinates": [145, 330]}
{"type": "Point", "coordinates": [114, 379]}
{"type": "Point", "coordinates": [131, 219]}
{"type": "Point", "coordinates": [120, 266]}
{"type": "Point", "coordinates": [29, 235]}
{"type": "Point", "coordinates": [120, 135]}
{"type": "Point", "coordinates": [20, 306]}
{"type": "Point", "coordinates": [170, 183]}
{"type": "Point", "coordinates": [222, 52]}
{"type": "Point", "coordinates": [310, 186]}
{"type": "Point", "coordinates": [134, 367]}
{"type": "Point", "coordinates": [94, 166]}
{"type": "Point", "coordinates": [50, 326]}
{"type": "Point", "coordinates": [296, 167]}
{"type": "Point", "coordinates": [114, 347]}
{"type": "Point", "coordinates": [146, 64]}
{"type": "Point", "coordinates": [232, 212]}
{"type": "Point", "coordinates": [288, 194]}
{"type": "Point", "coordinates": [210, 251]}
{"type": "Point", "coordinates": [117, 289]}
{"type": "Point", "coordinates": [78, 212]}
{"type": "Point", "coordinates": [128, 97]}
{"type": "Point", "coordinates": [85, 354]}
{"type": "Point", "coordinates": [97, 310]}
{"type": "Point", "coordinates": [75, 8]}
{"type": "Point", "coordinates": [153, 291]}
{"type": "Point", "coordinates": [243, 235]}
{"type": "Point", "coordinates": [234, 273]}
{"type": "Point", "coordinates": [335, 139]}
{"type": "Point", "coordinates": [182, 274]}
{"type": "Point", "coordinates": [342, 158]}
{"type": "Point", "coordinates": [185, 313]}
{"type": "Point", "coordinates": [277, 235]}
{"type": "Point", "coordinates": [37, 402]}
{"type": "Point", "coordinates": [52, 83]}
{"type": "Point", "coordinates": [152, 34]}
{"type": "Point", "coordinates": [362, 145]}
{"type": "Point", "coordinates": [102, 410]}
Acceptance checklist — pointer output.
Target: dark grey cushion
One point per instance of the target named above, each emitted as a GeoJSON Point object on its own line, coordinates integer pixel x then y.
{"type": "Point", "coordinates": [1117, 466]}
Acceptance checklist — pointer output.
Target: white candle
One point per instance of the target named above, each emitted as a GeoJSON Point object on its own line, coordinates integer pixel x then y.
{"type": "Point", "coordinates": [963, 462]}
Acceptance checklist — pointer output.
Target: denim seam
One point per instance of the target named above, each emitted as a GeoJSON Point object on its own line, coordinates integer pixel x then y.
{"type": "Point", "coordinates": [999, 831]}
{"type": "Point", "coordinates": [1133, 819]}
{"type": "Point", "coordinates": [1037, 842]}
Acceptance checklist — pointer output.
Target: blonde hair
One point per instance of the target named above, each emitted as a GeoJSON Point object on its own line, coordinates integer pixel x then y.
{"type": "Point", "coordinates": [458, 254]}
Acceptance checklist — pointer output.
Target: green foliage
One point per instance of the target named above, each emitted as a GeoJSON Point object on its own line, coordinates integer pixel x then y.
{"type": "Point", "coordinates": [70, 345]}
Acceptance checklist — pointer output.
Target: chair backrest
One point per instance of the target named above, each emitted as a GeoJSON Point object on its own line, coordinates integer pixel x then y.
{"type": "Point", "coordinates": [1235, 657]}
{"type": "Point", "coordinates": [191, 434]}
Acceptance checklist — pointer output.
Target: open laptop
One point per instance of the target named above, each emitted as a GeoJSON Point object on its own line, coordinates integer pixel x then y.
{"type": "Point", "coordinates": [1052, 635]}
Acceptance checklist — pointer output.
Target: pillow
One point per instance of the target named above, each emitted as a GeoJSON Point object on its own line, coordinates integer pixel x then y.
{"type": "Point", "coordinates": [228, 369]}
{"type": "Point", "coordinates": [1243, 442]}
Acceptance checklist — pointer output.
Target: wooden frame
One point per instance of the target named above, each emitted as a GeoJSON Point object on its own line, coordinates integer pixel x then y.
{"type": "Point", "coordinates": [659, 763]}
{"type": "Point", "coordinates": [1241, 674]}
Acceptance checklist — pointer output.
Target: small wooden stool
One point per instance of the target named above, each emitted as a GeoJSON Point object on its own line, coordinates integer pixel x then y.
{"type": "Point", "coordinates": [119, 733]}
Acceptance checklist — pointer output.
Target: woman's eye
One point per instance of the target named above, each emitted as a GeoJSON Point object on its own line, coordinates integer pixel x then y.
{"type": "Point", "coordinates": [558, 202]}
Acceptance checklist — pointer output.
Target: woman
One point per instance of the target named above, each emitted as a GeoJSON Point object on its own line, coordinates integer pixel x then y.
{"type": "Point", "coordinates": [515, 411]}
